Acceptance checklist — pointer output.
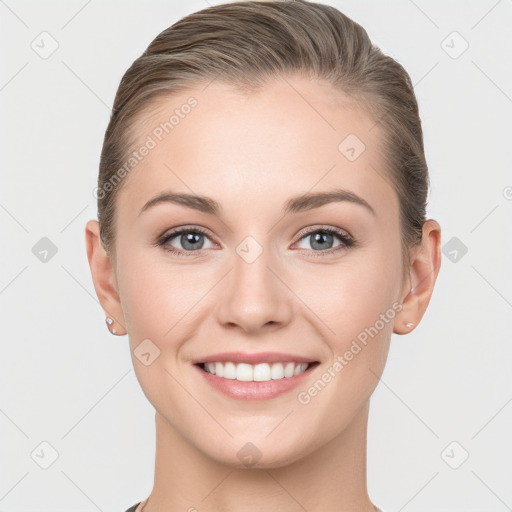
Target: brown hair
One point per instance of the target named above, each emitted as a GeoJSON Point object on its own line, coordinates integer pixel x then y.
{"type": "Point", "coordinates": [246, 43]}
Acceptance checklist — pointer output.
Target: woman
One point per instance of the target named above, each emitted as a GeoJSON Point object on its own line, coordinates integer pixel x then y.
{"type": "Point", "coordinates": [262, 233]}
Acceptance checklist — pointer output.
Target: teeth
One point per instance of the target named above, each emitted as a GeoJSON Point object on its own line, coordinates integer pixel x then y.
{"type": "Point", "coordinates": [255, 372]}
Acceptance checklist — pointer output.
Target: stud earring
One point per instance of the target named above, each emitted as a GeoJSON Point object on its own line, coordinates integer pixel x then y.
{"type": "Point", "coordinates": [409, 325]}
{"type": "Point", "coordinates": [109, 321]}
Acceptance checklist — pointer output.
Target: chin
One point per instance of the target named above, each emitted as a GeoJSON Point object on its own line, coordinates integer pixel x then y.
{"type": "Point", "coordinates": [259, 453]}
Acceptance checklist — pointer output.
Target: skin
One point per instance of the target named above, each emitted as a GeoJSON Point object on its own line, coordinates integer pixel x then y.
{"type": "Point", "coordinates": [251, 153]}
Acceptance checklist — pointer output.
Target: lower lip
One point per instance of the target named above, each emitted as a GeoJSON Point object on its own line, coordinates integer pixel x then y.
{"type": "Point", "coordinates": [255, 390]}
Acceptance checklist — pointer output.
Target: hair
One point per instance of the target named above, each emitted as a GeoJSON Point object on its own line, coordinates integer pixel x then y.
{"type": "Point", "coordinates": [246, 44]}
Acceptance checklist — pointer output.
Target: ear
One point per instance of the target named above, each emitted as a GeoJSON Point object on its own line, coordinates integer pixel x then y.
{"type": "Point", "coordinates": [418, 287]}
{"type": "Point", "coordinates": [104, 278]}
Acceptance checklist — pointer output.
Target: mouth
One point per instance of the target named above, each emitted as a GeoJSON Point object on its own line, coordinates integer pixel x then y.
{"type": "Point", "coordinates": [259, 381]}
{"type": "Point", "coordinates": [261, 372]}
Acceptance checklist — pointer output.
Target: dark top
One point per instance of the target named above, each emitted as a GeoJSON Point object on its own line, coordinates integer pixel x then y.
{"type": "Point", "coordinates": [132, 509]}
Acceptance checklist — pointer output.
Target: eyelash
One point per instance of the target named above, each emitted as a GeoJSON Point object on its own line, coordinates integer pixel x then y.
{"type": "Point", "coordinates": [347, 240]}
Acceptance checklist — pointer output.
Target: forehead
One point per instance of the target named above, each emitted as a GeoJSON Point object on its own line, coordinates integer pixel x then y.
{"type": "Point", "coordinates": [292, 136]}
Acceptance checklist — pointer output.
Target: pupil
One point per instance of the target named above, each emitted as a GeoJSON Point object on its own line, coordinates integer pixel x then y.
{"type": "Point", "coordinates": [189, 241]}
{"type": "Point", "coordinates": [321, 238]}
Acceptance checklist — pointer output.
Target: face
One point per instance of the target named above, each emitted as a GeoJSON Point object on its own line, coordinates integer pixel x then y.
{"type": "Point", "coordinates": [269, 272]}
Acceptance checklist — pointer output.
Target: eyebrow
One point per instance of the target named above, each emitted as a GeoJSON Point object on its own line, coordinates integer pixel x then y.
{"type": "Point", "coordinates": [296, 204]}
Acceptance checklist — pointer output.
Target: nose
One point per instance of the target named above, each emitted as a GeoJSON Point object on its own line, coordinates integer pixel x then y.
{"type": "Point", "coordinates": [255, 295]}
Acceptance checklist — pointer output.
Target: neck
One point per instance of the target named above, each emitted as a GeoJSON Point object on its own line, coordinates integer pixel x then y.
{"type": "Point", "coordinates": [332, 478]}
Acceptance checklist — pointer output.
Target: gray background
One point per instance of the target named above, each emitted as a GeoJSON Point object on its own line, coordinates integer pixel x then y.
{"type": "Point", "coordinates": [447, 388]}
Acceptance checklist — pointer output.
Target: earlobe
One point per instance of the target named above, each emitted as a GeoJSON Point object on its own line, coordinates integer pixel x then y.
{"type": "Point", "coordinates": [103, 277]}
{"type": "Point", "coordinates": [423, 272]}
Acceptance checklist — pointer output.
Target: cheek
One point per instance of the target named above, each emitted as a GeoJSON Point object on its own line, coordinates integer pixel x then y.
{"type": "Point", "coordinates": [140, 294]}
{"type": "Point", "coordinates": [357, 306]}
{"type": "Point", "coordinates": [157, 298]}
{"type": "Point", "coordinates": [351, 296]}
{"type": "Point", "coordinates": [161, 298]}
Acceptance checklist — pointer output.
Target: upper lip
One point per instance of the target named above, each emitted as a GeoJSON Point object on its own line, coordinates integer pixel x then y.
{"type": "Point", "coordinates": [260, 357]}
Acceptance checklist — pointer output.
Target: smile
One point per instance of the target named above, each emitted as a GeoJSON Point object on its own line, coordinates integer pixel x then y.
{"type": "Point", "coordinates": [260, 381]}
{"type": "Point", "coordinates": [255, 372]}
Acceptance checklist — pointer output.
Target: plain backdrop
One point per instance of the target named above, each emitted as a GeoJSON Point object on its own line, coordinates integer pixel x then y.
{"type": "Point", "coordinates": [439, 435]}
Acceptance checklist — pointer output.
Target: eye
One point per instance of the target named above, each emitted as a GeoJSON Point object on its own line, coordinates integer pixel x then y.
{"type": "Point", "coordinates": [189, 240]}
{"type": "Point", "coordinates": [322, 240]}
